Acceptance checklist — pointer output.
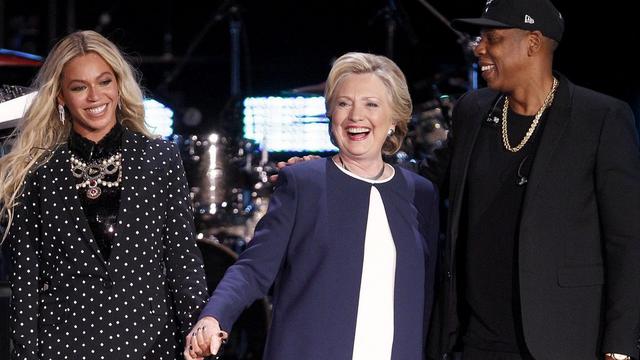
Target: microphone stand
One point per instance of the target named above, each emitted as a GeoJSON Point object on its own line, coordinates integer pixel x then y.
{"type": "Point", "coordinates": [230, 115]}
{"type": "Point", "coordinates": [464, 40]}
{"type": "Point", "coordinates": [231, 10]}
{"type": "Point", "coordinates": [235, 27]}
{"type": "Point", "coordinates": [218, 15]}
{"type": "Point", "coordinates": [393, 16]}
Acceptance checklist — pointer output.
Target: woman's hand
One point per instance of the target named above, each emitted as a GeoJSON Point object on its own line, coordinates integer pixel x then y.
{"type": "Point", "coordinates": [205, 339]}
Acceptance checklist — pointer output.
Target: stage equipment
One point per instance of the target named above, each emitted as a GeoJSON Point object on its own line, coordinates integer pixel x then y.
{"type": "Point", "coordinates": [428, 130]}
{"type": "Point", "coordinates": [467, 43]}
{"type": "Point", "coordinates": [287, 124]}
{"type": "Point", "coordinates": [159, 117]}
{"type": "Point", "coordinates": [229, 187]}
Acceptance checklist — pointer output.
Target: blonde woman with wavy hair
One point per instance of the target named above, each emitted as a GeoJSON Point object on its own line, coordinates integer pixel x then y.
{"type": "Point", "coordinates": [100, 229]}
{"type": "Point", "coordinates": [41, 131]}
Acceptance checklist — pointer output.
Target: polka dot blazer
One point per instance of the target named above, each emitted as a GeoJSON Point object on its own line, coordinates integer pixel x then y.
{"type": "Point", "coordinates": [67, 302]}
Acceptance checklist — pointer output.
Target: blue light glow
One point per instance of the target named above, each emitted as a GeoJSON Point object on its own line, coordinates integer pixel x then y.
{"type": "Point", "coordinates": [21, 54]}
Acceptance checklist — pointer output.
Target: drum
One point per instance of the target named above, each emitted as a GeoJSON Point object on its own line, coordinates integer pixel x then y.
{"type": "Point", "coordinates": [249, 333]}
{"type": "Point", "coordinates": [220, 185]}
{"type": "Point", "coordinates": [229, 186]}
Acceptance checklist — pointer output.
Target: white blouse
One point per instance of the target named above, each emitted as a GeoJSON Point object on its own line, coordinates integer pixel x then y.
{"type": "Point", "coordinates": [375, 323]}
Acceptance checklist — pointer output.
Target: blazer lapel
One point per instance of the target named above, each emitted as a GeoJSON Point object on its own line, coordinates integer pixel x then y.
{"type": "Point", "coordinates": [133, 162]}
{"type": "Point", "coordinates": [460, 167]}
{"type": "Point", "coordinates": [558, 118]}
{"type": "Point", "coordinates": [348, 216]}
{"type": "Point", "coordinates": [60, 164]}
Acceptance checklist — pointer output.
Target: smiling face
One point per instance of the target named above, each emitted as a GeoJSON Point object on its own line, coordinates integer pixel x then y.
{"type": "Point", "coordinates": [90, 93]}
{"type": "Point", "coordinates": [361, 116]}
{"type": "Point", "coordinates": [502, 57]}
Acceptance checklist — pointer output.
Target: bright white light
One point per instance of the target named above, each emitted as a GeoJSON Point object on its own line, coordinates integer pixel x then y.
{"type": "Point", "coordinates": [291, 124]}
{"type": "Point", "coordinates": [12, 110]}
{"type": "Point", "coordinates": [159, 118]}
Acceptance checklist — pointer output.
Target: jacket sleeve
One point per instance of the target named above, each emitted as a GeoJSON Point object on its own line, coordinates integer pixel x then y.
{"type": "Point", "coordinates": [251, 277]}
{"type": "Point", "coordinates": [23, 241]}
{"type": "Point", "coordinates": [618, 197]}
{"type": "Point", "coordinates": [432, 234]}
{"type": "Point", "coordinates": [182, 258]}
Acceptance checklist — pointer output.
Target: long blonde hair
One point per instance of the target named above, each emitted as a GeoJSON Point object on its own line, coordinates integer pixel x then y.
{"type": "Point", "coordinates": [392, 78]}
{"type": "Point", "coordinates": [40, 131]}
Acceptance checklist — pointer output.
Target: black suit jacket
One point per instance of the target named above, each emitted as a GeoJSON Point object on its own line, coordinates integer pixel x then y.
{"type": "Point", "coordinates": [579, 233]}
{"type": "Point", "coordinates": [67, 302]}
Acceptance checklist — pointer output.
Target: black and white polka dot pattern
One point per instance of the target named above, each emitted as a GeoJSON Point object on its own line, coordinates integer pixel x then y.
{"type": "Point", "coordinates": [67, 302]}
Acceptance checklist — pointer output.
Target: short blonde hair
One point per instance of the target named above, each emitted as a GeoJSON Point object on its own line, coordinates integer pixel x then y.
{"type": "Point", "coordinates": [392, 78]}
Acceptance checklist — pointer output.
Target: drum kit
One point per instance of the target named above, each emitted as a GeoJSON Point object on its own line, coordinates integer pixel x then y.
{"type": "Point", "coordinates": [229, 186]}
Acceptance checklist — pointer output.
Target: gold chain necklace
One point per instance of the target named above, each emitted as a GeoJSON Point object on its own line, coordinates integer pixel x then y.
{"type": "Point", "coordinates": [534, 123]}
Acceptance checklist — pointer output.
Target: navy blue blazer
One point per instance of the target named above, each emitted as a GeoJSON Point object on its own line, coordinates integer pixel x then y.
{"type": "Point", "coordinates": [310, 246]}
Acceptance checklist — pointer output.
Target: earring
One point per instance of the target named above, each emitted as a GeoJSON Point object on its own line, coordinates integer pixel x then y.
{"type": "Point", "coordinates": [119, 105]}
{"type": "Point", "coordinates": [61, 113]}
{"type": "Point", "coordinates": [391, 131]}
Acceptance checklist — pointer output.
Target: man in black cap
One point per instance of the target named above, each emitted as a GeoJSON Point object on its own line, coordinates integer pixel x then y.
{"type": "Point", "coordinates": [543, 241]}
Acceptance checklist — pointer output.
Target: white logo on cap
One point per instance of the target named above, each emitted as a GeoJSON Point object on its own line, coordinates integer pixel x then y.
{"type": "Point", "coordinates": [486, 6]}
{"type": "Point", "coordinates": [528, 19]}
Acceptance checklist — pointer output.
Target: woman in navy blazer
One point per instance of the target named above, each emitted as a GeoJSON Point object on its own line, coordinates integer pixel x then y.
{"type": "Point", "coordinates": [348, 242]}
{"type": "Point", "coordinates": [101, 234]}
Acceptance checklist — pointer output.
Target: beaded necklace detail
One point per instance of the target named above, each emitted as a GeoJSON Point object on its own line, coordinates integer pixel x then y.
{"type": "Point", "coordinates": [93, 174]}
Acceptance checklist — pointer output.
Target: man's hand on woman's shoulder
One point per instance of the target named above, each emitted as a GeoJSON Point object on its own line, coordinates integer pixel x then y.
{"type": "Point", "coordinates": [292, 160]}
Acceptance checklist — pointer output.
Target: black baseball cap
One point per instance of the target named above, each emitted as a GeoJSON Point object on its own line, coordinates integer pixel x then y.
{"type": "Point", "coordinates": [529, 15]}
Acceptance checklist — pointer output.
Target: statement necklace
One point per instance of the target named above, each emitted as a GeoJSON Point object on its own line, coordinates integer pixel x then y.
{"type": "Point", "coordinates": [376, 177]}
{"type": "Point", "coordinates": [93, 174]}
{"type": "Point", "coordinates": [534, 123]}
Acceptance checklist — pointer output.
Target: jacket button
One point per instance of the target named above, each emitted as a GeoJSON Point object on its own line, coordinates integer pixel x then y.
{"type": "Point", "coordinates": [107, 283]}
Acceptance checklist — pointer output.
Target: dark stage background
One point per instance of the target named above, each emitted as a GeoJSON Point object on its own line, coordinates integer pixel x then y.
{"type": "Point", "coordinates": [286, 44]}
{"type": "Point", "coordinates": [184, 54]}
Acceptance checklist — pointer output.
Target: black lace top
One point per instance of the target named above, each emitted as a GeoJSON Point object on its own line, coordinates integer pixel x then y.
{"type": "Point", "coordinates": [102, 211]}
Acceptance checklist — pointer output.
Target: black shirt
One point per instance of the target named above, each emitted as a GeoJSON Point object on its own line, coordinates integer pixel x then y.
{"type": "Point", "coordinates": [496, 185]}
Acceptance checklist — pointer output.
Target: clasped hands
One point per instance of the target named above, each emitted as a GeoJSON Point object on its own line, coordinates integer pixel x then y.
{"type": "Point", "coordinates": [204, 339]}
